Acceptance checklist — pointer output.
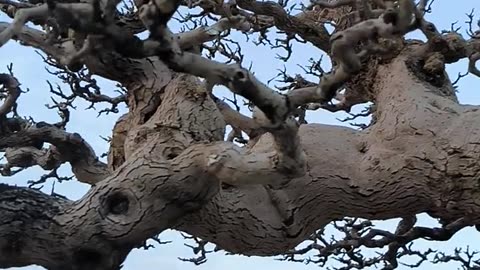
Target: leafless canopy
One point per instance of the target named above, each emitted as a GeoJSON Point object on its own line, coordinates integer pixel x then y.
{"type": "Point", "coordinates": [274, 181]}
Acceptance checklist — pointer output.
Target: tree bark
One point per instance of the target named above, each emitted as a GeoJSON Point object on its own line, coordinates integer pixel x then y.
{"type": "Point", "coordinates": [421, 155]}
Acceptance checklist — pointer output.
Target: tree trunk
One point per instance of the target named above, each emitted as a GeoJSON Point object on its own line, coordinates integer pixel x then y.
{"type": "Point", "coordinates": [421, 155]}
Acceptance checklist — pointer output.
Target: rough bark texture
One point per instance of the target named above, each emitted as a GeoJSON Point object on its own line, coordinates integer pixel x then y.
{"type": "Point", "coordinates": [420, 156]}
{"type": "Point", "coordinates": [169, 166]}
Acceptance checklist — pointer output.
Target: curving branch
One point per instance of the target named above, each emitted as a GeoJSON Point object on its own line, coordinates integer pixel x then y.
{"type": "Point", "coordinates": [34, 38]}
{"type": "Point", "coordinates": [25, 157]}
{"type": "Point", "coordinates": [309, 30]}
{"type": "Point", "coordinates": [240, 81]}
{"type": "Point", "coordinates": [68, 147]}
{"type": "Point", "coordinates": [392, 23]}
{"type": "Point", "coordinates": [12, 89]}
{"type": "Point", "coordinates": [400, 167]}
{"type": "Point", "coordinates": [275, 106]}
{"type": "Point", "coordinates": [238, 121]}
{"type": "Point", "coordinates": [472, 64]}
{"type": "Point", "coordinates": [288, 160]}
{"type": "Point", "coordinates": [22, 16]}
{"type": "Point", "coordinates": [342, 51]}
{"type": "Point", "coordinates": [201, 35]}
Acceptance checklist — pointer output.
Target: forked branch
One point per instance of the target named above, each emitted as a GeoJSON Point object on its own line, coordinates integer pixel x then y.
{"type": "Point", "coordinates": [288, 160]}
{"type": "Point", "coordinates": [392, 23]}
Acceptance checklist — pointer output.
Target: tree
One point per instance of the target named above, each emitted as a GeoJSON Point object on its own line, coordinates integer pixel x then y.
{"type": "Point", "coordinates": [275, 180]}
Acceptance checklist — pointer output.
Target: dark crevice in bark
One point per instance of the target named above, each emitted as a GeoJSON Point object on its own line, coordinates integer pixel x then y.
{"type": "Point", "coordinates": [147, 115]}
{"type": "Point", "coordinates": [438, 80]}
{"type": "Point", "coordinates": [117, 203]}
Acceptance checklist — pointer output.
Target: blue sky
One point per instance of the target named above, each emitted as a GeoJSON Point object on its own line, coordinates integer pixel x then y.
{"type": "Point", "coordinates": [29, 69]}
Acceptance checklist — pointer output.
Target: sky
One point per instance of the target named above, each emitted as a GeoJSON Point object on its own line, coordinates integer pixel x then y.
{"type": "Point", "coordinates": [30, 70]}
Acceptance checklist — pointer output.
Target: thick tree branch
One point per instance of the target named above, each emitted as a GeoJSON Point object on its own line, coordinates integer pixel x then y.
{"type": "Point", "coordinates": [35, 206]}
{"type": "Point", "coordinates": [70, 146]}
{"type": "Point", "coordinates": [472, 64]}
{"type": "Point", "coordinates": [203, 34]}
{"type": "Point", "coordinates": [473, 51]}
{"type": "Point", "coordinates": [238, 120]}
{"type": "Point", "coordinates": [28, 156]}
{"type": "Point", "coordinates": [34, 38]}
{"type": "Point", "coordinates": [311, 31]}
{"type": "Point", "coordinates": [274, 105]}
{"type": "Point", "coordinates": [79, 250]}
{"type": "Point", "coordinates": [12, 88]}
{"type": "Point", "coordinates": [349, 174]}
{"type": "Point", "coordinates": [288, 160]}
{"type": "Point", "coordinates": [198, 171]}
{"type": "Point", "coordinates": [399, 167]}
{"type": "Point", "coordinates": [22, 16]}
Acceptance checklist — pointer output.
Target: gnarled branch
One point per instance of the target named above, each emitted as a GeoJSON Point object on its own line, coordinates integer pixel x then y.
{"type": "Point", "coordinates": [70, 146]}
{"type": "Point", "coordinates": [12, 87]}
